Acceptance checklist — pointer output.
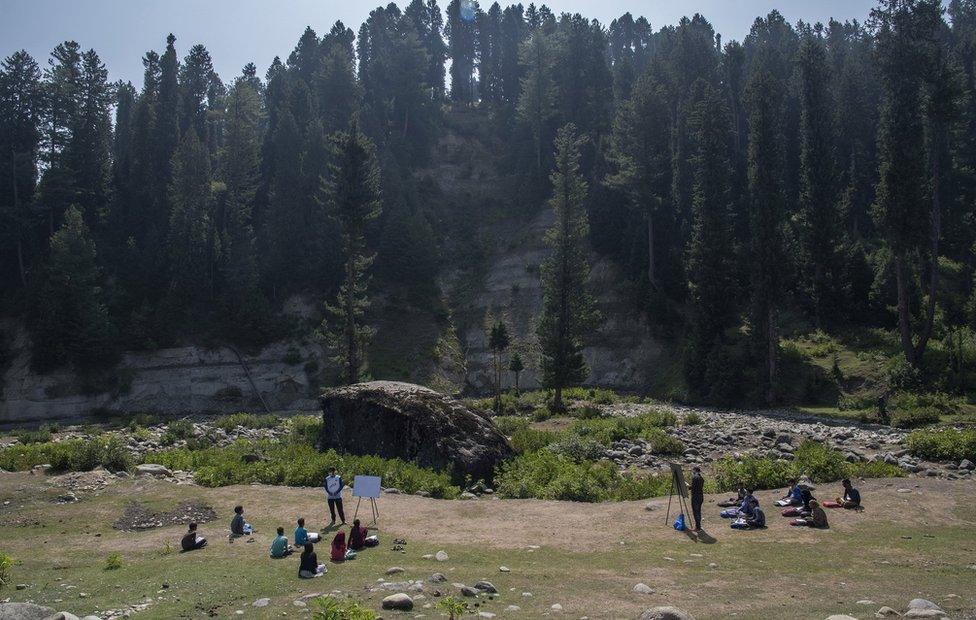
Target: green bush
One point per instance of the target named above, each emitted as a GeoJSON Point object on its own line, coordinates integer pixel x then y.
{"type": "Point", "coordinates": [246, 420]}
{"type": "Point", "coordinates": [662, 443]}
{"type": "Point", "coordinates": [328, 608]}
{"type": "Point", "coordinates": [812, 459]}
{"type": "Point", "coordinates": [142, 419]}
{"type": "Point", "coordinates": [912, 410]}
{"type": "Point", "coordinates": [914, 418]}
{"type": "Point", "coordinates": [290, 464]}
{"type": "Point", "coordinates": [113, 561]}
{"type": "Point", "coordinates": [181, 429]}
{"type": "Point", "coordinates": [577, 448]}
{"type": "Point", "coordinates": [509, 424]}
{"type": "Point", "coordinates": [40, 435]}
{"type": "Point", "coordinates": [692, 419]}
{"type": "Point", "coordinates": [305, 429]}
{"type": "Point", "coordinates": [609, 430]}
{"type": "Point", "coordinates": [944, 444]}
{"type": "Point", "coordinates": [69, 455]}
{"type": "Point", "coordinates": [5, 563]}
{"type": "Point", "coordinates": [529, 440]}
{"type": "Point", "coordinates": [588, 412]}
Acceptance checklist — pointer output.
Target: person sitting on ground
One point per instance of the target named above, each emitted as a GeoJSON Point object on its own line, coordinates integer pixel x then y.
{"type": "Point", "coordinates": [817, 518]}
{"type": "Point", "coordinates": [279, 546]}
{"type": "Point", "coordinates": [308, 565]}
{"type": "Point", "coordinates": [357, 536]}
{"type": "Point", "coordinates": [303, 536]}
{"type": "Point", "coordinates": [755, 520]}
{"type": "Point", "coordinates": [733, 502]}
{"type": "Point", "coordinates": [744, 509]}
{"type": "Point", "coordinates": [850, 500]}
{"type": "Point", "coordinates": [339, 547]}
{"type": "Point", "coordinates": [191, 540]}
{"type": "Point", "coordinates": [803, 508]}
{"type": "Point", "coordinates": [793, 497]}
{"type": "Point", "coordinates": [238, 526]}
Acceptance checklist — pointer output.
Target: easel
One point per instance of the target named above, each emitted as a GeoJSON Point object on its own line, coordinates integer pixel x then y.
{"type": "Point", "coordinates": [373, 508]}
{"type": "Point", "coordinates": [677, 487]}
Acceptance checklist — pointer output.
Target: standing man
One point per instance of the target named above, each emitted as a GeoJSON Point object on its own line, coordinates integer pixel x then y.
{"type": "Point", "coordinates": [697, 496]}
{"type": "Point", "coordinates": [333, 489]}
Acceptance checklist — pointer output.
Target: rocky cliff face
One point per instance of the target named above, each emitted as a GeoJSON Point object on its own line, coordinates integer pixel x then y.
{"type": "Point", "coordinates": [179, 380]}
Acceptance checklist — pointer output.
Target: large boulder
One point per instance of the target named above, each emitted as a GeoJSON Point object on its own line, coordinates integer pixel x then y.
{"type": "Point", "coordinates": [414, 423]}
{"type": "Point", "coordinates": [24, 611]}
{"type": "Point", "coordinates": [666, 612]}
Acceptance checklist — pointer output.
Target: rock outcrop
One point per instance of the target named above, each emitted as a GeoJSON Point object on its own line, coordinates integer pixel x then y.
{"type": "Point", "coordinates": [414, 423]}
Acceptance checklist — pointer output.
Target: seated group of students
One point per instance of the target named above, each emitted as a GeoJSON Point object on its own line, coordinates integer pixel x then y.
{"type": "Point", "coordinates": [309, 566]}
{"type": "Point", "coordinates": [798, 503]}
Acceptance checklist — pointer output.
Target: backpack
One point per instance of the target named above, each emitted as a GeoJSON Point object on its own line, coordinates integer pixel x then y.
{"type": "Point", "coordinates": [679, 523]}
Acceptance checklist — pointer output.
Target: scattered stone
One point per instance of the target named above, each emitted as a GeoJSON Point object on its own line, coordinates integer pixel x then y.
{"type": "Point", "coordinates": [24, 611]}
{"type": "Point", "coordinates": [437, 578]}
{"type": "Point", "coordinates": [22, 586]}
{"type": "Point", "coordinates": [865, 601]}
{"type": "Point", "coordinates": [441, 556]}
{"type": "Point", "coordinates": [643, 588]}
{"type": "Point", "coordinates": [557, 608]}
{"type": "Point", "coordinates": [467, 496]}
{"type": "Point", "coordinates": [925, 613]}
{"type": "Point", "coordinates": [886, 612]}
{"type": "Point", "coordinates": [485, 614]}
{"type": "Point", "coordinates": [513, 608]}
{"type": "Point", "coordinates": [62, 615]}
{"type": "Point", "coordinates": [921, 603]}
{"type": "Point", "coordinates": [841, 617]}
{"type": "Point", "coordinates": [966, 464]}
{"type": "Point", "coordinates": [261, 602]}
{"type": "Point", "coordinates": [486, 587]}
{"type": "Point", "coordinates": [666, 612]}
{"type": "Point", "coordinates": [152, 469]}
{"type": "Point", "coordinates": [469, 591]}
{"type": "Point", "coordinates": [504, 569]}
{"type": "Point", "coordinates": [393, 570]}
{"type": "Point", "coordinates": [400, 602]}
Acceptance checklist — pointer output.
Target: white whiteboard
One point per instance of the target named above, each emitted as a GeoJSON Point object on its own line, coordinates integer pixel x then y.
{"type": "Point", "coordinates": [366, 486]}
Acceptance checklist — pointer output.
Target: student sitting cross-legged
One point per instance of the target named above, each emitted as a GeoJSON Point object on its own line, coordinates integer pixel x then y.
{"type": "Point", "coordinates": [191, 540]}
{"type": "Point", "coordinates": [238, 526]}
{"type": "Point", "coordinates": [357, 536]}
{"type": "Point", "coordinates": [308, 565]}
{"type": "Point", "coordinates": [817, 518]}
{"type": "Point", "coordinates": [279, 546]}
{"type": "Point", "coordinates": [303, 536]}
{"type": "Point", "coordinates": [851, 499]}
{"type": "Point", "coordinates": [755, 520]}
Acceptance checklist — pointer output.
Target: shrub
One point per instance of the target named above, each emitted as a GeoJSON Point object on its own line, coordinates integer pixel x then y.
{"type": "Point", "coordinates": [911, 410]}
{"type": "Point", "coordinates": [291, 464]}
{"type": "Point", "coordinates": [588, 412]}
{"type": "Point", "coordinates": [692, 419]}
{"type": "Point", "coordinates": [509, 424]}
{"type": "Point", "coordinates": [168, 438]}
{"type": "Point", "coordinates": [545, 475]}
{"type": "Point", "coordinates": [5, 563]}
{"type": "Point", "coordinates": [328, 608]}
{"type": "Point", "coordinates": [246, 420]}
{"type": "Point", "coordinates": [113, 561]}
{"type": "Point", "coordinates": [306, 429]}
{"type": "Point", "coordinates": [914, 418]}
{"type": "Point", "coordinates": [609, 430]}
{"type": "Point", "coordinates": [945, 444]}
{"type": "Point", "coordinates": [181, 429]}
{"type": "Point", "coordinates": [453, 607]}
{"type": "Point", "coordinates": [142, 419]}
{"type": "Point", "coordinates": [40, 435]}
{"type": "Point", "coordinates": [577, 448]}
{"type": "Point", "coordinates": [69, 455]}
{"type": "Point", "coordinates": [662, 443]}
{"type": "Point", "coordinates": [529, 440]}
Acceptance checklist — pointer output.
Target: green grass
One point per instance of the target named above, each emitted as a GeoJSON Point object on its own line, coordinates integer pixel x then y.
{"type": "Point", "coordinates": [69, 455]}
{"type": "Point", "coordinates": [246, 420]}
{"type": "Point", "coordinates": [944, 444]}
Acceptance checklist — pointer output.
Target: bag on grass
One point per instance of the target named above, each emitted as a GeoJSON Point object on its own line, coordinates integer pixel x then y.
{"type": "Point", "coordinates": [679, 523]}
{"type": "Point", "coordinates": [372, 541]}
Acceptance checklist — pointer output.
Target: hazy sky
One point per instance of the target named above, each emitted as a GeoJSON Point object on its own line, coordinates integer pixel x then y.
{"type": "Point", "coordinates": [240, 31]}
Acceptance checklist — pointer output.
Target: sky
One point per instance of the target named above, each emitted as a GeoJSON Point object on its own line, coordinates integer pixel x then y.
{"type": "Point", "coordinates": [240, 31]}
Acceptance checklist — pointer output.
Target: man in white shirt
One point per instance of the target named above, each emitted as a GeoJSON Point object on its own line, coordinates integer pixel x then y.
{"type": "Point", "coordinates": [333, 489]}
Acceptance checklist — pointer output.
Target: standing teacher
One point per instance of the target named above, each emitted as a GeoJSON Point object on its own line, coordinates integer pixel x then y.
{"type": "Point", "coordinates": [697, 496]}
{"type": "Point", "coordinates": [333, 489]}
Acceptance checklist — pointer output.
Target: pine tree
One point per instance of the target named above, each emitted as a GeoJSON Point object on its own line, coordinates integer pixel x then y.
{"type": "Point", "coordinates": [516, 366]}
{"type": "Point", "coordinates": [537, 104]}
{"type": "Point", "coordinates": [191, 241]}
{"type": "Point", "coordinates": [568, 310]}
{"type": "Point", "coordinates": [69, 321]}
{"type": "Point", "coordinates": [88, 154]}
{"type": "Point", "coordinates": [711, 258]}
{"type": "Point", "coordinates": [428, 24]}
{"type": "Point", "coordinates": [641, 137]}
{"type": "Point", "coordinates": [20, 134]}
{"type": "Point", "coordinates": [352, 196]}
{"type": "Point", "coordinates": [818, 217]}
{"type": "Point", "coordinates": [767, 252]}
{"type": "Point", "coordinates": [498, 341]}
{"type": "Point", "coordinates": [460, 32]}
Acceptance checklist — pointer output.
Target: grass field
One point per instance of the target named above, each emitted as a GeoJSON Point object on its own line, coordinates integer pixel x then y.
{"type": "Point", "coordinates": [590, 556]}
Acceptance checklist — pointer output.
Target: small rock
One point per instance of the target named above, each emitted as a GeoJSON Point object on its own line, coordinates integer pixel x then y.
{"type": "Point", "coordinates": [467, 496]}
{"type": "Point", "coordinates": [666, 612]}
{"type": "Point", "coordinates": [441, 556]}
{"type": "Point", "coordinates": [399, 601]}
{"type": "Point", "coordinates": [261, 602]}
{"type": "Point", "coordinates": [504, 569]}
{"type": "Point", "coordinates": [393, 570]}
{"type": "Point", "coordinates": [152, 469]}
{"type": "Point", "coordinates": [513, 608]}
{"type": "Point", "coordinates": [864, 601]}
{"type": "Point", "coordinates": [22, 586]}
{"type": "Point", "coordinates": [62, 615]}
{"type": "Point", "coordinates": [886, 612]}
{"type": "Point", "coordinates": [921, 603]}
{"type": "Point", "coordinates": [841, 617]}
{"type": "Point", "coordinates": [469, 591]}
{"type": "Point", "coordinates": [486, 586]}
{"type": "Point", "coordinates": [485, 614]}
{"type": "Point", "coordinates": [643, 588]}
{"type": "Point", "coordinates": [437, 578]}
{"type": "Point", "coordinates": [925, 613]}
{"type": "Point", "coordinates": [556, 607]}
{"type": "Point", "coordinates": [966, 464]}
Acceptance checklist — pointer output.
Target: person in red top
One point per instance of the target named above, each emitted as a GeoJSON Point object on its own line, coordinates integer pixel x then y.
{"type": "Point", "coordinates": [357, 536]}
{"type": "Point", "coordinates": [339, 547]}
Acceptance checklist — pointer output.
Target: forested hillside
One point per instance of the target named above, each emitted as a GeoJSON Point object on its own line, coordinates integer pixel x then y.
{"type": "Point", "coordinates": [781, 210]}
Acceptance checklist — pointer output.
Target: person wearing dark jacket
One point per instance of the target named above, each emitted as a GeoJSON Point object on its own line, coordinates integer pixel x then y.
{"type": "Point", "coordinates": [308, 565]}
{"type": "Point", "coordinates": [191, 540]}
{"type": "Point", "coordinates": [697, 496]}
